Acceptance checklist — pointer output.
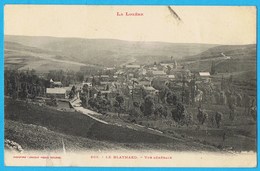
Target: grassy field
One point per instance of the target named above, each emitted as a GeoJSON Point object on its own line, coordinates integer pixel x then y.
{"type": "Point", "coordinates": [240, 134]}
{"type": "Point", "coordinates": [38, 127]}
{"type": "Point", "coordinates": [34, 137]}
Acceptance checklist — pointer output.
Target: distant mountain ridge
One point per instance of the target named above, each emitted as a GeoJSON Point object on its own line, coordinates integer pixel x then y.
{"type": "Point", "coordinates": [109, 52]}
{"type": "Point", "coordinates": [45, 53]}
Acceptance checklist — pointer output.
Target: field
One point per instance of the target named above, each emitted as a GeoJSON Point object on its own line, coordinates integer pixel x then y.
{"type": "Point", "coordinates": [240, 134]}
{"type": "Point", "coordinates": [37, 127]}
{"type": "Point", "coordinates": [18, 56]}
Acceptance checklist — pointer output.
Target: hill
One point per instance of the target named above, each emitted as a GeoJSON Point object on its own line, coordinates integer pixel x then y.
{"type": "Point", "coordinates": [43, 128]}
{"type": "Point", "coordinates": [109, 52]}
{"type": "Point", "coordinates": [22, 57]}
{"type": "Point", "coordinates": [247, 52]}
{"type": "Point", "coordinates": [227, 59]}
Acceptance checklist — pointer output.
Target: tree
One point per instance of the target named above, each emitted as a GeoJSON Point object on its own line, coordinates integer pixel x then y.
{"type": "Point", "coordinates": [213, 68]}
{"type": "Point", "coordinates": [136, 104]}
{"type": "Point", "coordinates": [168, 72]}
{"type": "Point", "coordinates": [160, 110]}
{"type": "Point", "coordinates": [135, 111]}
{"type": "Point", "coordinates": [144, 93]}
{"type": "Point", "coordinates": [218, 118]}
{"type": "Point", "coordinates": [201, 116]}
{"type": "Point", "coordinates": [120, 100]}
{"type": "Point", "coordinates": [94, 82]}
{"type": "Point", "coordinates": [79, 76]}
{"type": "Point", "coordinates": [91, 102]}
{"type": "Point", "coordinates": [192, 86]}
{"type": "Point", "coordinates": [171, 98]}
{"type": "Point", "coordinates": [178, 114]}
{"type": "Point", "coordinates": [85, 88]}
{"type": "Point", "coordinates": [162, 93]}
{"type": "Point", "coordinates": [83, 99]}
{"type": "Point", "coordinates": [104, 105]}
{"type": "Point", "coordinates": [72, 92]}
{"type": "Point", "coordinates": [147, 106]}
{"type": "Point", "coordinates": [24, 92]}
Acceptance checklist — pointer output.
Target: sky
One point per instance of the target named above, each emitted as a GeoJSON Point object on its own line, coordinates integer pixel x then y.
{"type": "Point", "coordinates": [199, 24]}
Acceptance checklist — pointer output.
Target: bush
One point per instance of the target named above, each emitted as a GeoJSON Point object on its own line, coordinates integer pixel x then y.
{"type": "Point", "coordinates": [202, 116]}
{"type": "Point", "coordinates": [147, 106]}
{"type": "Point", "coordinates": [178, 113]}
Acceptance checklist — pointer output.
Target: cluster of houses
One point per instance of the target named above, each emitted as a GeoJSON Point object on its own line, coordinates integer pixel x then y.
{"type": "Point", "coordinates": [130, 79]}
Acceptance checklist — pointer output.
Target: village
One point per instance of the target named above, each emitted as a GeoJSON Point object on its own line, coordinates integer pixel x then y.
{"type": "Point", "coordinates": [154, 90]}
{"type": "Point", "coordinates": [168, 98]}
{"type": "Point", "coordinates": [124, 88]}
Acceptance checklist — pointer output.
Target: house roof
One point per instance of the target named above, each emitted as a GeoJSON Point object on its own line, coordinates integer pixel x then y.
{"type": "Point", "coordinates": [104, 76]}
{"type": "Point", "coordinates": [110, 68]}
{"type": "Point", "coordinates": [165, 65]}
{"type": "Point", "coordinates": [132, 66]}
{"type": "Point", "coordinates": [171, 76]}
{"type": "Point", "coordinates": [149, 88]}
{"type": "Point", "coordinates": [204, 74]}
{"type": "Point", "coordinates": [159, 73]}
{"type": "Point", "coordinates": [56, 82]}
{"type": "Point", "coordinates": [56, 90]}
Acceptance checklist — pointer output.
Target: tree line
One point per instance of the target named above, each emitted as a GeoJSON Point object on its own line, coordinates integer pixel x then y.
{"type": "Point", "coordinates": [24, 84]}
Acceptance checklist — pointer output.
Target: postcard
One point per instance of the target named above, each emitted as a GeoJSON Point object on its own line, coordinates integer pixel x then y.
{"type": "Point", "coordinates": [130, 86]}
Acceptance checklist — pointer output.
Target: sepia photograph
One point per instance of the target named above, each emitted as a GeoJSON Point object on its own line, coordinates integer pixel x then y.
{"type": "Point", "coordinates": [130, 86]}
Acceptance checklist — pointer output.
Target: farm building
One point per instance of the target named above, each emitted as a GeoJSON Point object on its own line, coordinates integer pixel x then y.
{"type": "Point", "coordinates": [204, 76]}
{"type": "Point", "coordinates": [87, 83]}
{"type": "Point", "coordinates": [171, 77]}
{"type": "Point", "coordinates": [55, 83]}
{"type": "Point", "coordinates": [159, 73]}
{"type": "Point", "coordinates": [133, 66]}
{"type": "Point", "coordinates": [149, 90]}
{"type": "Point", "coordinates": [104, 78]}
{"type": "Point", "coordinates": [56, 92]}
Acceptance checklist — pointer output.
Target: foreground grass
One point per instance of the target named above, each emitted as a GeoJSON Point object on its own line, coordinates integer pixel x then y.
{"type": "Point", "coordinates": [33, 137]}
{"type": "Point", "coordinates": [240, 134]}
{"type": "Point", "coordinates": [37, 127]}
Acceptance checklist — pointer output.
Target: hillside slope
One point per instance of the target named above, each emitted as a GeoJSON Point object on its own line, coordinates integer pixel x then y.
{"type": "Point", "coordinates": [237, 59]}
{"type": "Point", "coordinates": [110, 52]}
{"type": "Point", "coordinates": [247, 52]}
{"type": "Point", "coordinates": [23, 57]}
